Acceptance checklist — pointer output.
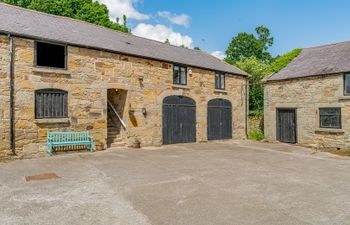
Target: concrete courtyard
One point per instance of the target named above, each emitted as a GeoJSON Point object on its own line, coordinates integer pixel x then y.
{"type": "Point", "coordinates": [233, 182]}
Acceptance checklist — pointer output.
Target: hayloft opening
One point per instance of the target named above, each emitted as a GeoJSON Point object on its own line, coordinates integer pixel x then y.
{"type": "Point", "coordinates": [50, 55]}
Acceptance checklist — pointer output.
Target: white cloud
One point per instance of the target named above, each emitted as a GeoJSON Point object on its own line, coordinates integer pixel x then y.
{"type": "Point", "coordinates": [118, 8]}
{"type": "Point", "coordinates": [219, 54]}
{"type": "Point", "coordinates": [160, 33]}
{"type": "Point", "coordinates": [182, 19]}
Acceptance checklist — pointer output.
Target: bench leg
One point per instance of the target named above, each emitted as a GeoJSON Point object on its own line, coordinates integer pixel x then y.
{"type": "Point", "coordinates": [49, 150]}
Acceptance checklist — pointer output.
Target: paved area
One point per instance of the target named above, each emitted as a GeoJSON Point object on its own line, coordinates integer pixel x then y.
{"type": "Point", "coordinates": [234, 182]}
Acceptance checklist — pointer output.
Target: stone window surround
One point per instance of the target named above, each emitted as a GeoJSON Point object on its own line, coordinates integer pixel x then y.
{"type": "Point", "coordinates": [327, 130]}
{"type": "Point", "coordinates": [180, 66]}
{"type": "Point", "coordinates": [219, 86]}
{"type": "Point", "coordinates": [47, 67]}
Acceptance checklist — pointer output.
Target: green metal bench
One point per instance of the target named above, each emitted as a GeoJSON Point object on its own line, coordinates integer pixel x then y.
{"type": "Point", "coordinates": [69, 139]}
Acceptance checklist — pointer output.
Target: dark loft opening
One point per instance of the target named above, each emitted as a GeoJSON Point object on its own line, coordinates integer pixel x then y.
{"type": "Point", "coordinates": [50, 55]}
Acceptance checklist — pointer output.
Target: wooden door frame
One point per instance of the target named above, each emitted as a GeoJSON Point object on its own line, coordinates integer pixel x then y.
{"type": "Point", "coordinates": [296, 123]}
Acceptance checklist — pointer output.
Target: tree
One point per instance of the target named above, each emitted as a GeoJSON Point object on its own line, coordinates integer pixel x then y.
{"type": "Point", "coordinates": [257, 72]}
{"type": "Point", "coordinates": [167, 41]}
{"type": "Point", "coordinates": [197, 48]}
{"type": "Point", "coordinates": [86, 10]}
{"type": "Point", "coordinates": [246, 45]}
{"type": "Point", "coordinates": [282, 61]}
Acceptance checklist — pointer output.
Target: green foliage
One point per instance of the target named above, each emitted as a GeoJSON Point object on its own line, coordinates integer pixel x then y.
{"type": "Point", "coordinates": [246, 45]}
{"type": "Point", "coordinates": [282, 61]}
{"type": "Point", "coordinates": [256, 135]}
{"type": "Point", "coordinates": [257, 71]}
{"type": "Point", "coordinates": [167, 41]}
{"type": "Point", "coordinates": [86, 10]}
{"type": "Point", "coordinates": [197, 48]}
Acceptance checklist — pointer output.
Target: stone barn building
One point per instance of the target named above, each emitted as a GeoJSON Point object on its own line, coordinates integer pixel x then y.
{"type": "Point", "coordinates": [308, 102]}
{"type": "Point", "coordinates": [61, 74]}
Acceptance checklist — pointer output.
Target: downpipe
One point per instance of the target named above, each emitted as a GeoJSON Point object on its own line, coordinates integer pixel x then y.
{"type": "Point", "coordinates": [12, 127]}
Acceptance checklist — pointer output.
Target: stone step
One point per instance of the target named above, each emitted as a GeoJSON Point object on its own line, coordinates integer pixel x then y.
{"type": "Point", "coordinates": [114, 139]}
{"type": "Point", "coordinates": [117, 144]}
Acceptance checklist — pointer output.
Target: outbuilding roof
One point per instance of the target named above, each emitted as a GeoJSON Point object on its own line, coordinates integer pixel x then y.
{"type": "Point", "coordinates": [321, 60]}
{"type": "Point", "coordinates": [42, 26]}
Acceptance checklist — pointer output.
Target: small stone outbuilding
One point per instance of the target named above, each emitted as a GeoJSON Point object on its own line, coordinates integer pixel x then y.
{"type": "Point", "coordinates": [308, 102]}
{"type": "Point", "coordinates": [61, 74]}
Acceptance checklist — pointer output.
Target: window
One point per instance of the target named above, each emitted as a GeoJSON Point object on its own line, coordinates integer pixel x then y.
{"type": "Point", "coordinates": [51, 103]}
{"type": "Point", "coordinates": [347, 84]}
{"type": "Point", "coordinates": [180, 75]}
{"type": "Point", "coordinates": [50, 55]}
{"type": "Point", "coordinates": [220, 81]}
{"type": "Point", "coordinates": [330, 118]}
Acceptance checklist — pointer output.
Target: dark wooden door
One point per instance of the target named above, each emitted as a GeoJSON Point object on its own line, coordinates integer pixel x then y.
{"type": "Point", "coordinates": [286, 125]}
{"type": "Point", "coordinates": [219, 119]}
{"type": "Point", "coordinates": [179, 120]}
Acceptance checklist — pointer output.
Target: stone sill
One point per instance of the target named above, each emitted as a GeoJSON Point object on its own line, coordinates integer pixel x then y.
{"type": "Point", "coordinates": [220, 91]}
{"type": "Point", "coordinates": [331, 131]}
{"type": "Point", "coordinates": [344, 98]}
{"type": "Point", "coordinates": [51, 70]}
{"type": "Point", "coordinates": [180, 86]}
{"type": "Point", "coordinates": [51, 121]}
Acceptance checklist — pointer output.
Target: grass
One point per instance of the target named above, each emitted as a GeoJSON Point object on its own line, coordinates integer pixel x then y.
{"type": "Point", "coordinates": [256, 135]}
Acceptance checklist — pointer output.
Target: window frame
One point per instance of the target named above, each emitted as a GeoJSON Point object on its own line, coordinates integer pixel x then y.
{"type": "Point", "coordinates": [320, 116]}
{"type": "Point", "coordinates": [51, 90]}
{"type": "Point", "coordinates": [180, 67]}
{"type": "Point", "coordinates": [218, 86]}
{"type": "Point", "coordinates": [344, 84]}
{"type": "Point", "coordinates": [51, 43]}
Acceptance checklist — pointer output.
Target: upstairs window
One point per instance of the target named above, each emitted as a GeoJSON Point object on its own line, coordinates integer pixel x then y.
{"type": "Point", "coordinates": [330, 118]}
{"type": "Point", "coordinates": [50, 55]}
{"type": "Point", "coordinates": [347, 84]}
{"type": "Point", "coordinates": [180, 75]}
{"type": "Point", "coordinates": [220, 81]}
{"type": "Point", "coordinates": [51, 103]}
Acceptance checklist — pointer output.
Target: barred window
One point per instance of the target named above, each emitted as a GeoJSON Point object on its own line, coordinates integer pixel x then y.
{"type": "Point", "coordinates": [330, 118]}
{"type": "Point", "coordinates": [220, 81]}
{"type": "Point", "coordinates": [51, 103]}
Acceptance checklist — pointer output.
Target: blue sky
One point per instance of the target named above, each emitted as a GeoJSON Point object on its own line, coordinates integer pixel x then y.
{"type": "Point", "coordinates": [212, 24]}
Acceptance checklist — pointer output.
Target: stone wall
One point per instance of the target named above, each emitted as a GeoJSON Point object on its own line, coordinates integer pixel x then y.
{"type": "Point", "coordinates": [307, 95]}
{"type": "Point", "coordinates": [90, 73]}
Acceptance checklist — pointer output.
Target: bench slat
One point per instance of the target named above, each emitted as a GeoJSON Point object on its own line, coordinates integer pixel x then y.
{"type": "Point", "coordinates": [64, 139]}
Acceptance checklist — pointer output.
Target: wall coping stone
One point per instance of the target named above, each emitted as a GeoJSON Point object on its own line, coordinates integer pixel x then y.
{"type": "Point", "coordinates": [52, 121]}
{"type": "Point", "coordinates": [329, 130]}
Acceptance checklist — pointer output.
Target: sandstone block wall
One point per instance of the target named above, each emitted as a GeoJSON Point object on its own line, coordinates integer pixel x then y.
{"type": "Point", "coordinates": [307, 95]}
{"type": "Point", "coordinates": [89, 75]}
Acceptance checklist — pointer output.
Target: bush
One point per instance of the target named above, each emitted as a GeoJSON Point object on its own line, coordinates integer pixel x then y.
{"type": "Point", "coordinates": [256, 135]}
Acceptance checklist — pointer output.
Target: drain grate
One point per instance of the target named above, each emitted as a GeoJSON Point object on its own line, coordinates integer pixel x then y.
{"type": "Point", "coordinates": [44, 176]}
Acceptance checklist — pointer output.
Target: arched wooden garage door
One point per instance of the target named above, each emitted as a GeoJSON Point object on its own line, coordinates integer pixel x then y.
{"type": "Point", "coordinates": [219, 119]}
{"type": "Point", "coordinates": [179, 120]}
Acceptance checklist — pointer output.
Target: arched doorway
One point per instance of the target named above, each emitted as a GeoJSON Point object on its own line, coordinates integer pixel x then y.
{"type": "Point", "coordinates": [179, 120]}
{"type": "Point", "coordinates": [219, 119]}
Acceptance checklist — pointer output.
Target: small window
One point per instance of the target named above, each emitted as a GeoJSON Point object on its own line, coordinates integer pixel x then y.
{"type": "Point", "coordinates": [220, 81]}
{"type": "Point", "coordinates": [51, 103]}
{"type": "Point", "coordinates": [50, 55]}
{"type": "Point", "coordinates": [347, 84]}
{"type": "Point", "coordinates": [330, 118]}
{"type": "Point", "coordinates": [180, 75]}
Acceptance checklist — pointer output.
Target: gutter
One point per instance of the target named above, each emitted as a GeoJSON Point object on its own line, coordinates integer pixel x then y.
{"type": "Point", "coordinates": [12, 128]}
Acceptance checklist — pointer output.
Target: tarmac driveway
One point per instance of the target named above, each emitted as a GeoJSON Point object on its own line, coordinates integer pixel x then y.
{"type": "Point", "coordinates": [234, 182]}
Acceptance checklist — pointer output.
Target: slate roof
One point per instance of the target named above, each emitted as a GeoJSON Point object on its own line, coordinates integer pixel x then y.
{"type": "Point", "coordinates": [42, 26]}
{"type": "Point", "coordinates": [322, 60]}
